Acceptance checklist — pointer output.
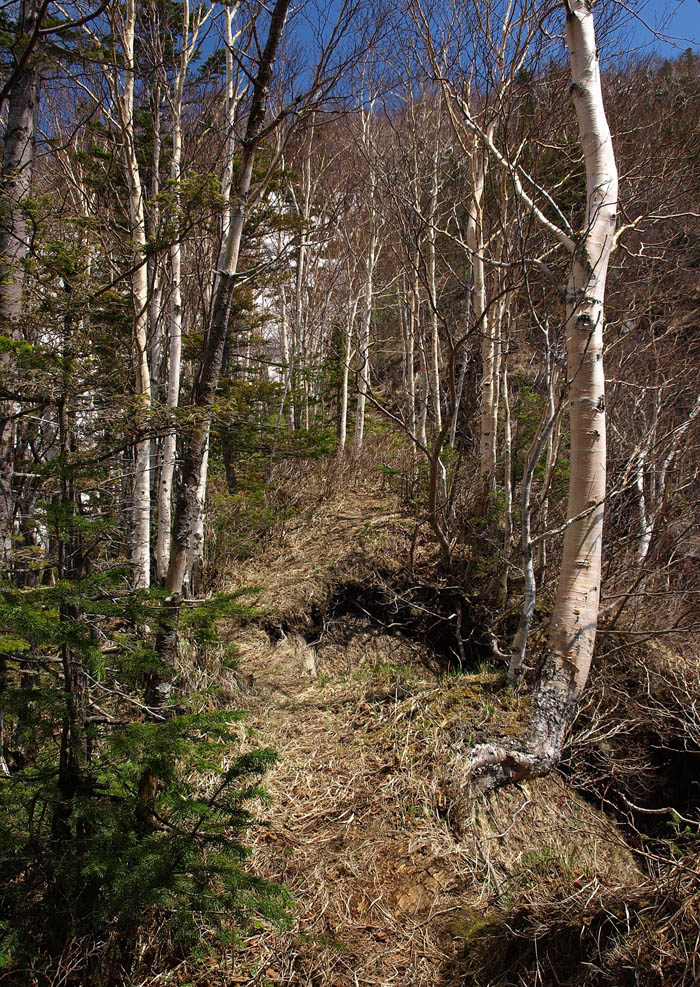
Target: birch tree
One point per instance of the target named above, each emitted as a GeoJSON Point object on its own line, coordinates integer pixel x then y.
{"type": "Point", "coordinates": [123, 85]}
{"type": "Point", "coordinates": [188, 504]}
{"type": "Point", "coordinates": [190, 32]}
{"type": "Point", "coordinates": [15, 185]}
{"type": "Point", "coordinates": [188, 507]}
{"type": "Point", "coordinates": [574, 620]}
{"type": "Point", "coordinates": [371, 257]}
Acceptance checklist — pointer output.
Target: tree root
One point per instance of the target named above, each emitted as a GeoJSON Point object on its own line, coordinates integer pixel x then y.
{"type": "Point", "coordinates": [492, 767]}
{"type": "Point", "coordinates": [485, 769]}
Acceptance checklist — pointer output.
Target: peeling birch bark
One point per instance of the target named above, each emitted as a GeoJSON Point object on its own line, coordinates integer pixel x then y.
{"type": "Point", "coordinates": [574, 621]}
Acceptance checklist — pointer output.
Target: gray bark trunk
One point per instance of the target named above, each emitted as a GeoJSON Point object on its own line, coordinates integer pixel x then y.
{"type": "Point", "coordinates": [15, 186]}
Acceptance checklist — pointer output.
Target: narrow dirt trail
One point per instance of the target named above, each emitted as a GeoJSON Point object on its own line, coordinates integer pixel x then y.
{"type": "Point", "coordinates": [372, 878]}
{"type": "Point", "coordinates": [386, 892]}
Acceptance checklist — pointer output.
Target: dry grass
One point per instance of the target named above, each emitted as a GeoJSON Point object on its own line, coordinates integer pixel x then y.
{"type": "Point", "coordinates": [399, 877]}
{"type": "Point", "coordinates": [361, 825]}
{"type": "Point", "coordinates": [361, 829]}
{"type": "Point", "coordinates": [335, 540]}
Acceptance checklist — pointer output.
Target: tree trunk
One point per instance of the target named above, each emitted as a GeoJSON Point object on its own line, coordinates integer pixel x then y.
{"type": "Point", "coordinates": [16, 176]}
{"type": "Point", "coordinates": [461, 373]}
{"type": "Point", "coordinates": [155, 287]}
{"type": "Point", "coordinates": [195, 555]}
{"type": "Point", "coordinates": [207, 379]}
{"type": "Point", "coordinates": [371, 260]}
{"type": "Point", "coordinates": [15, 186]}
{"type": "Point", "coordinates": [410, 370]}
{"type": "Point", "coordinates": [191, 555]}
{"type": "Point", "coordinates": [575, 617]}
{"type": "Point", "coordinates": [432, 288]}
{"type": "Point", "coordinates": [507, 479]}
{"type": "Point", "coordinates": [347, 352]}
{"type": "Point", "coordinates": [363, 374]}
{"type": "Point", "coordinates": [303, 329]}
{"type": "Point", "coordinates": [574, 621]}
{"type": "Point", "coordinates": [475, 242]}
{"type": "Point", "coordinates": [141, 497]}
{"type": "Point", "coordinates": [187, 503]}
{"type": "Point", "coordinates": [423, 378]}
{"type": "Point", "coordinates": [167, 467]}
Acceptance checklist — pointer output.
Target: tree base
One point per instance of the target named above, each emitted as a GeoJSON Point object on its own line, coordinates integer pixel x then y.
{"type": "Point", "coordinates": [492, 767]}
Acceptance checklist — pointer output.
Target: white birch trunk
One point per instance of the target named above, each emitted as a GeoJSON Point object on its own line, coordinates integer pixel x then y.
{"type": "Point", "coordinates": [174, 371]}
{"type": "Point", "coordinates": [575, 617]}
{"type": "Point", "coordinates": [423, 378]}
{"type": "Point", "coordinates": [155, 273]}
{"type": "Point", "coordinates": [432, 288]}
{"type": "Point", "coordinates": [410, 349]}
{"type": "Point", "coordinates": [141, 497]}
{"type": "Point", "coordinates": [300, 286]}
{"type": "Point", "coordinates": [188, 505]}
{"type": "Point", "coordinates": [167, 469]}
{"type": "Point", "coordinates": [287, 355]}
{"type": "Point", "coordinates": [365, 335]}
{"type": "Point", "coordinates": [475, 243]}
{"type": "Point", "coordinates": [15, 187]}
{"type": "Point", "coordinates": [190, 35]}
{"type": "Point", "coordinates": [459, 391]}
{"type": "Point", "coordinates": [507, 480]}
{"type": "Point", "coordinates": [574, 622]}
{"type": "Point", "coordinates": [479, 317]}
{"type": "Point", "coordinates": [347, 355]}
{"type": "Point", "coordinates": [371, 259]}
{"type": "Point", "coordinates": [195, 554]}
{"type": "Point", "coordinates": [231, 98]}
{"type": "Point", "coordinates": [155, 294]}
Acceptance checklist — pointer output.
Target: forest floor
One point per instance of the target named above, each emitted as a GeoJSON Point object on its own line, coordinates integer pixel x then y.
{"type": "Point", "coordinates": [395, 878]}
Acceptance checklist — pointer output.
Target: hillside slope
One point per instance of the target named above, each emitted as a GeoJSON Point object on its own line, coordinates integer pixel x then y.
{"type": "Point", "coordinates": [397, 878]}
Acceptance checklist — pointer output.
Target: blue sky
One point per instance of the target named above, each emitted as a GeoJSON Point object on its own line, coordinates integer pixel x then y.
{"type": "Point", "coordinates": [678, 21]}
{"type": "Point", "coordinates": [664, 27]}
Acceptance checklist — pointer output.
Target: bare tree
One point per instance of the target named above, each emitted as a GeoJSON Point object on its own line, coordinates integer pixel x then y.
{"type": "Point", "coordinates": [15, 185]}
{"type": "Point", "coordinates": [574, 620]}
{"type": "Point", "coordinates": [191, 30]}
{"type": "Point", "coordinates": [188, 501]}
